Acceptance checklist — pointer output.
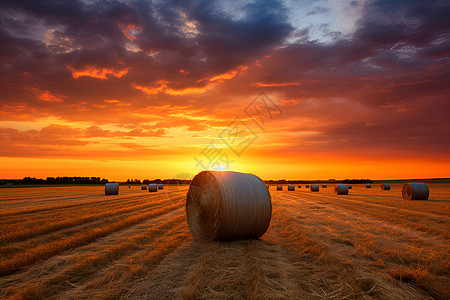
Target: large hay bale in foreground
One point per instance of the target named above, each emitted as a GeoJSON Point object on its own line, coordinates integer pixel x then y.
{"type": "Point", "coordinates": [415, 191]}
{"type": "Point", "coordinates": [314, 188]}
{"type": "Point", "coordinates": [226, 206]}
{"type": "Point", "coordinates": [291, 187]}
{"type": "Point", "coordinates": [279, 187]}
{"type": "Point", "coordinates": [152, 187]}
{"type": "Point", "coordinates": [385, 186]}
{"type": "Point", "coordinates": [341, 189]}
{"type": "Point", "coordinates": [144, 187]}
{"type": "Point", "coordinates": [112, 188]}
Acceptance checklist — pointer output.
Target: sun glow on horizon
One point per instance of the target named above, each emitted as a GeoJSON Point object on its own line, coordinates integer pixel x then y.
{"type": "Point", "coordinates": [136, 89]}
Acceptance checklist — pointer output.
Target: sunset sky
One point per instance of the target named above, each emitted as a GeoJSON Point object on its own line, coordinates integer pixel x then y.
{"type": "Point", "coordinates": [282, 89]}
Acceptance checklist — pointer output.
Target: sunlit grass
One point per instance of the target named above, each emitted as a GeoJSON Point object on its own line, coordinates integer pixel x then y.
{"type": "Point", "coordinates": [369, 244]}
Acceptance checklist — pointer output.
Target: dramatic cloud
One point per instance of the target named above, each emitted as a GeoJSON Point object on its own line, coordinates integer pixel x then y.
{"type": "Point", "coordinates": [167, 77]}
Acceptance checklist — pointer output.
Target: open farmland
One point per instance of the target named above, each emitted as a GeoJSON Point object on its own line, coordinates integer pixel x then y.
{"type": "Point", "coordinates": [74, 242]}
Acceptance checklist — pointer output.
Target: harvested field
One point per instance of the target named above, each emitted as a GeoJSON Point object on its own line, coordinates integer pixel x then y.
{"type": "Point", "coordinates": [77, 243]}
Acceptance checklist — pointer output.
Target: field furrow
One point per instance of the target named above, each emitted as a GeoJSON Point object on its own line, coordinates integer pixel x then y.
{"type": "Point", "coordinates": [436, 224]}
{"type": "Point", "coordinates": [89, 270]}
{"type": "Point", "coordinates": [106, 249]}
{"type": "Point", "coordinates": [15, 248]}
{"type": "Point", "coordinates": [369, 241]}
{"type": "Point", "coordinates": [337, 277]}
{"type": "Point", "coordinates": [30, 228]}
{"type": "Point", "coordinates": [100, 201]}
{"type": "Point", "coordinates": [81, 238]}
{"type": "Point", "coordinates": [116, 280]}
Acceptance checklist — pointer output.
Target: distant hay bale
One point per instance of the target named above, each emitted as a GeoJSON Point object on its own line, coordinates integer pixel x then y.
{"type": "Point", "coordinates": [279, 187]}
{"type": "Point", "coordinates": [314, 188]}
{"type": "Point", "coordinates": [267, 187]}
{"type": "Point", "coordinates": [349, 186]}
{"type": "Point", "coordinates": [324, 185]}
{"type": "Point", "coordinates": [341, 189]}
{"type": "Point", "coordinates": [385, 186]}
{"type": "Point", "coordinates": [299, 186]}
{"type": "Point", "coordinates": [291, 187]}
{"type": "Point", "coordinates": [152, 187]}
{"type": "Point", "coordinates": [112, 188]}
{"type": "Point", "coordinates": [307, 186]}
{"type": "Point", "coordinates": [144, 187]}
{"type": "Point", "coordinates": [368, 186]}
{"type": "Point", "coordinates": [160, 186]}
{"type": "Point", "coordinates": [415, 191]}
{"type": "Point", "coordinates": [226, 206]}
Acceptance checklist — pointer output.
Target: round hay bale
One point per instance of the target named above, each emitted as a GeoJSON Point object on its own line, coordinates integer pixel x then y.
{"type": "Point", "coordinates": [299, 186]}
{"type": "Point", "coordinates": [160, 186]}
{"type": "Point", "coordinates": [341, 189]}
{"type": "Point", "coordinates": [144, 187]}
{"type": "Point", "coordinates": [415, 191]}
{"type": "Point", "coordinates": [112, 188]}
{"type": "Point", "coordinates": [314, 188]}
{"type": "Point", "coordinates": [291, 187]}
{"type": "Point", "coordinates": [279, 187]}
{"type": "Point", "coordinates": [226, 206]}
{"type": "Point", "coordinates": [307, 186]}
{"type": "Point", "coordinates": [152, 187]}
{"type": "Point", "coordinates": [385, 186]}
{"type": "Point", "coordinates": [368, 186]}
{"type": "Point", "coordinates": [349, 186]}
{"type": "Point", "coordinates": [324, 185]}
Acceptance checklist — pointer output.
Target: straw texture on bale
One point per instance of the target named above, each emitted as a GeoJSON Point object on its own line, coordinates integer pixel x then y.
{"type": "Point", "coordinates": [279, 187]}
{"type": "Point", "coordinates": [291, 187]}
{"type": "Point", "coordinates": [341, 189]}
{"type": "Point", "coordinates": [368, 186]}
{"type": "Point", "coordinates": [324, 185]}
{"type": "Point", "coordinates": [314, 188]}
{"type": "Point", "coordinates": [385, 186]}
{"type": "Point", "coordinates": [112, 188]}
{"type": "Point", "coordinates": [160, 186]}
{"type": "Point", "coordinates": [307, 186]}
{"type": "Point", "coordinates": [143, 187]}
{"type": "Point", "coordinates": [227, 206]}
{"type": "Point", "coordinates": [415, 191]}
{"type": "Point", "coordinates": [152, 187]}
{"type": "Point", "coordinates": [349, 186]}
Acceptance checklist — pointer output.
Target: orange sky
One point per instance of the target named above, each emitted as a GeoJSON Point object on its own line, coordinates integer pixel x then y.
{"type": "Point", "coordinates": [109, 90]}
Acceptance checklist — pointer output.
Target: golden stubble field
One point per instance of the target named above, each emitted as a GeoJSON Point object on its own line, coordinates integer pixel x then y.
{"type": "Point", "coordinates": [76, 243]}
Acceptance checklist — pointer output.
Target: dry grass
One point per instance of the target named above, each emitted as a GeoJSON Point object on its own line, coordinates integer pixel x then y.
{"type": "Point", "coordinates": [38, 224]}
{"type": "Point", "coordinates": [75, 243]}
{"type": "Point", "coordinates": [367, 236]}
